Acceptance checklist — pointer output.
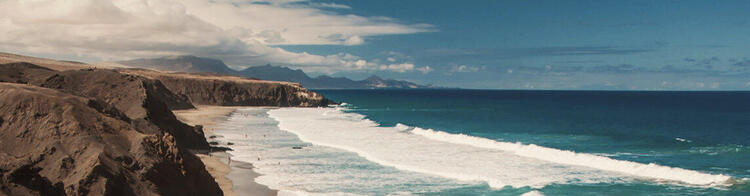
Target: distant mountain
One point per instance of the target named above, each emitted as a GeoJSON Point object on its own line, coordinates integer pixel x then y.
{"type": "Point", "coordinates": [267, 72]}
{"type": "Point", "coordinates": [187, 63]}
{"type": "Point", "coordinates": [377, 82]}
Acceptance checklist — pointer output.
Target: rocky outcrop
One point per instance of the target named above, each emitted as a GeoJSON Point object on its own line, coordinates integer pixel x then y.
{"type": "Point", "coordinates": [54, 143]}
{"type": "Point", "coordinates": [144, 100]}
{"type": "Point", "coordinates": [208, 89]}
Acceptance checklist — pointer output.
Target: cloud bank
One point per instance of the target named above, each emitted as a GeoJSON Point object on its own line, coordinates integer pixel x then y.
{"type": "Point", "coordinates": [240, 32]}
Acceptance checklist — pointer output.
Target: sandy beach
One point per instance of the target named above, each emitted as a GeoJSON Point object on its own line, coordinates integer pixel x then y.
{"type": "Point", "coordinates": [217, 162]}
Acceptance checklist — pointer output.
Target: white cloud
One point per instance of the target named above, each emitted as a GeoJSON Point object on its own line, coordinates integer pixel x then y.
{"type": "Point", "coordinates": [354, 40]}
{"type": "Point", "coordinates": [297, 23]}
{"type": "Point", "coordinates": [240, 32]}
{"type": "Point", "coordinates": [425, 69]}
{"type": "Point", "coordinates": [331, 5]}
{"type": "Point", "coordinates": [467, 68]}
{"type": "Point", "coordinates": [401, 67]}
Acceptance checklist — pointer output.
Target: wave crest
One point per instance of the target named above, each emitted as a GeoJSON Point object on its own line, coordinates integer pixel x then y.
{"type": "Point", "coordinates": [470, 158]}
{"type": "Point", "coordinates": [650, 170]}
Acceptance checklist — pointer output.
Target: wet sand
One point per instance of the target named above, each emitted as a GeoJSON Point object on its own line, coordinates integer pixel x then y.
{"type": "Point", "coordinates": [241, 173]}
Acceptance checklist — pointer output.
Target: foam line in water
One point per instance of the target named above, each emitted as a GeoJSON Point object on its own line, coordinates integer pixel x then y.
{"type": "Point", "coordinates": [582, 159]}
{"type": "Point", "coordinates": [468, 158]}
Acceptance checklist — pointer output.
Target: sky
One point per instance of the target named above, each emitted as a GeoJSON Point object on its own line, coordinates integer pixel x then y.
{"type": "Point", "coordinates": [529, 44]}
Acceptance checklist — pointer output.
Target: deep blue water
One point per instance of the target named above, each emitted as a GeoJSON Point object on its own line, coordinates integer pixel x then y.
{"type": "Point", "coordinates": [703, 131]}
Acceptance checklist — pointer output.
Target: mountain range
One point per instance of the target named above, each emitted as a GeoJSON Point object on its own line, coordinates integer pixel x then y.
{"type": "Point", "coordinates": [194, 64]}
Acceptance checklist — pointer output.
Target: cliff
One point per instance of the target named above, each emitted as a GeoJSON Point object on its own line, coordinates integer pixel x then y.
{"type": "Point", "coordinates": [54, 143]}
{"type": "Point", "coordinates": [146, 101]}
{"type": "Point", "coordinates": [211, 89]}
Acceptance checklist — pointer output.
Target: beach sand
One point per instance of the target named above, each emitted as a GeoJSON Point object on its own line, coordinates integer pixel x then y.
{"type": "Point", "coordinates": [241, 173]}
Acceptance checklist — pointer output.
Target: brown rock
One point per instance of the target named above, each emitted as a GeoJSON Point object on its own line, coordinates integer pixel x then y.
{"type": "Point", "coordinates": [54, 143]}
{"type": "Point", "coordinates": [146, 101]}
{"type": "Point", "coordinates": [225, 90]}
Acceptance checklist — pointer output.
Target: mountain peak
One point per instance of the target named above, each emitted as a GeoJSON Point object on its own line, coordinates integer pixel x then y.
{"type": "Point", "coordinates": [374, 78]}
{"type": "Point", "coordinates": [181, 63]}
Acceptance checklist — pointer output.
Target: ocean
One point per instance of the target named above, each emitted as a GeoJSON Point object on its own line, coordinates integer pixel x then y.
{"type": "Point", "coordinates": [496, 142]}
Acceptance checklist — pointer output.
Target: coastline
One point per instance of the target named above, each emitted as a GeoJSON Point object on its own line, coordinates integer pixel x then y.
{"type": "Point", "coordinates": [216, 163]}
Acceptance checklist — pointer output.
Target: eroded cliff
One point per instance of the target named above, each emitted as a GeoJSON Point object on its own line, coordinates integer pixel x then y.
{"type": "Point", "coordinates": [54, 143]}
{"type": "Point", "coordinates": [210, 89]}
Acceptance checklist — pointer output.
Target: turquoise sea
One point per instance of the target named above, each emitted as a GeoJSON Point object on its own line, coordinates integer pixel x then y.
{"type": "Point", "coordinates": [490, 142]}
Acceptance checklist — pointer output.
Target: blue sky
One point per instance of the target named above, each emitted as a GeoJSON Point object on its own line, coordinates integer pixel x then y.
{"type": "Point", "coordinates": [530, 44]}
{"type": "Point", "coordinates": [576, 44]}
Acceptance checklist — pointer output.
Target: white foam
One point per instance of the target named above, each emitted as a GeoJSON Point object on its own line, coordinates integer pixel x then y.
{"type": "Point", "coordinates": [533, 193]}
{"type": "Point", "coordinates": [303, 193]}
{"type": "Point", "coordinates": [468, 158]}
{"type": "Point", "coordinates": [582, 159]}
{"type": "Point", "coordinates": [314, 169]}
{"type": "Point", "coordinates": [390, 146]}
{"type": "Point", "coordinates": [402, 127]}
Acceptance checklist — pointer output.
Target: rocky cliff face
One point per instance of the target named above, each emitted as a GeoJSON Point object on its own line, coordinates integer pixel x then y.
{"type": "Point", "coordinates": [146, 101]}
{"type": "Point", "coordinates": [225, 90]}
{"type": "Point", "coordinates": [54, 143]}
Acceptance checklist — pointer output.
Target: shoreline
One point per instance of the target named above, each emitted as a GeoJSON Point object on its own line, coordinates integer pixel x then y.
{"type": "Point", "coordinates": [217, 162]}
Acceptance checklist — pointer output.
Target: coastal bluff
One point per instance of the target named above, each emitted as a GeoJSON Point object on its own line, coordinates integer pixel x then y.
{"type": "Point", "coordinates": [102, 131]}
{"type": "Point", "coordinates": [54, 143]}
{"type": "Point", "coordinates": [226, 90]}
